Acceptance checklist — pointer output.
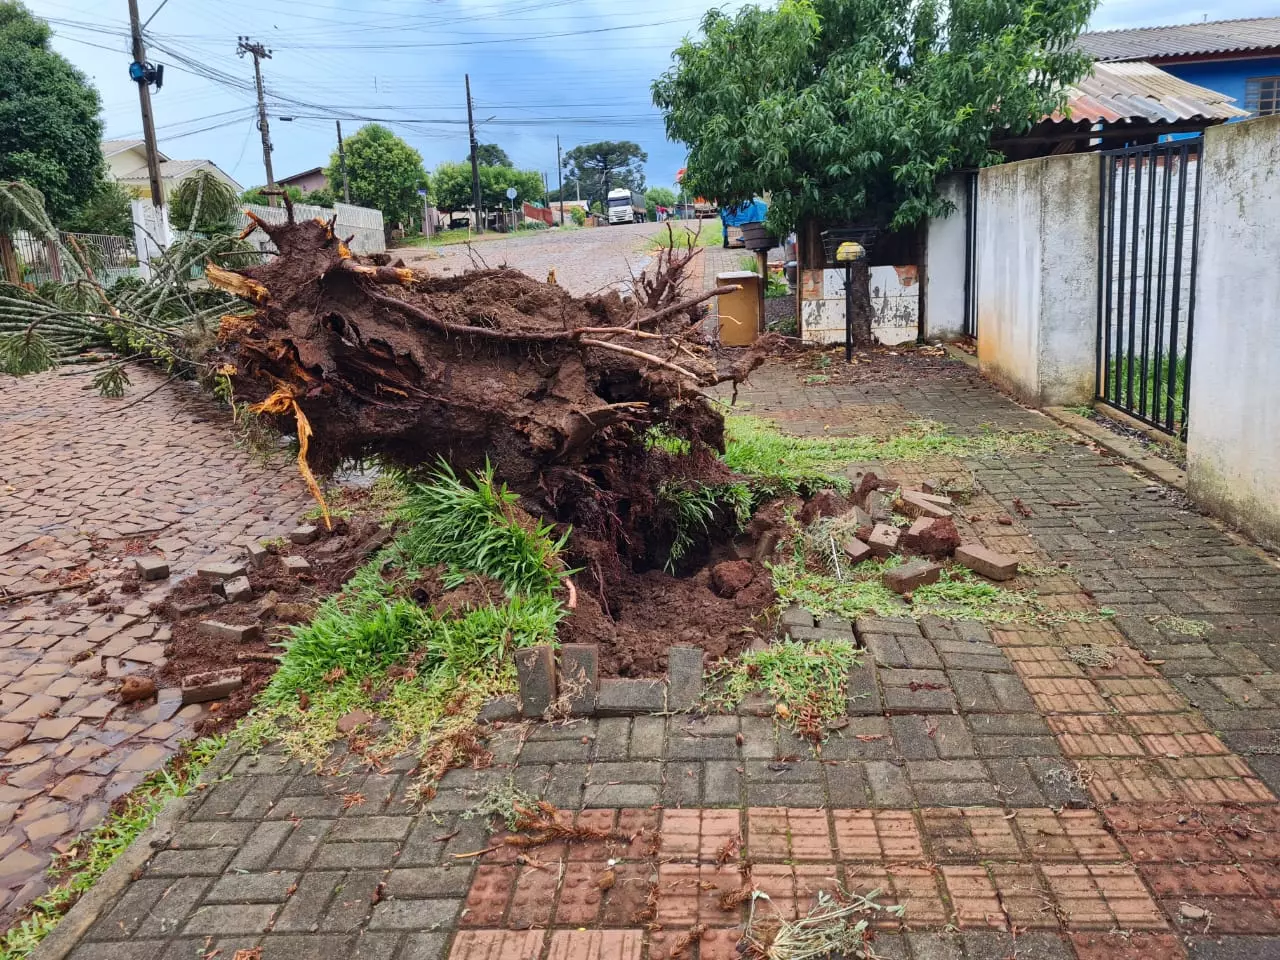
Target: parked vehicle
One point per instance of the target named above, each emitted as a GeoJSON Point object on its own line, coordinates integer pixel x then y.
{"type": "Point", "coordinates": [626, 206]}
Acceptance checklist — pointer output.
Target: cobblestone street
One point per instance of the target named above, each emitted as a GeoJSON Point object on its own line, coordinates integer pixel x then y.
{"type": "Point", "coordinates": [84, 488]}
{"type": "Point", "coordinates": [1093, 788]}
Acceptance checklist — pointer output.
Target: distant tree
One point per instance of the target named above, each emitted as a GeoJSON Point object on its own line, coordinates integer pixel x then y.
{"type": "Point", "coordinates": [661, 196]}
{"type": "Point", "coordinates": [605, 166]}
{"type": "Point", "coordinates": [578, 215]}
{"type": "Point", "coordinates": [203, 203]}
{"type": "Point", "coordinates": [258, 195]}
{"type": "Point", "coordinates": [849, 110]}
{"type": "Point", "coordinates": [491, 155]}
{"type": "Point", "coordinates": [323, 197]}
{"type": "Point", "coordinates": [50, 131]}
{"type": "Point", "coordinates": [384, 172]}
{"type": "Point", "coordinates": [107, 211]}
{"type": "Point", "coordinates": [453, 189]}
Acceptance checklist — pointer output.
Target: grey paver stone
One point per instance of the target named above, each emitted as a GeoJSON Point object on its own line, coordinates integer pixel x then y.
{"type": "Point", "coordinates": [626, 697]}
{"type": "Point", "coordinates": [536, 674]}
{"type": "Point", "coordinates": [580, 676]}
{"type": "Point", "coordinates": [413, 914]}
{"type": "Point", "coordinates": [684, 677]}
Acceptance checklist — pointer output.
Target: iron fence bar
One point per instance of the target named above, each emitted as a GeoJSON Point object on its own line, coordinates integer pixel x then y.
{"type": "Point", "coordinates": [1146, 279]}
{"type": "Point", "coordinates": [1133, 279]}
{"type": "Point", "coordinates": [970, 244]}
{"type": "Point", "coordinates": [1191, 298]}
{"type": "Point", "coordinates": [1104, 298]}
{"type": "Point", "coordinates": [1177, 282]}
{"type": "Point", "coordinates": [1114, 376]}
{"type": "Point", "coordinates": [1161, 408]}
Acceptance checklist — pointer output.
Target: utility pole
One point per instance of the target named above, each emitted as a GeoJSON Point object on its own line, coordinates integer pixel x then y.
{"type": "Point", "coordinates": [260, 53]}
{"type": "Point", "coordinates": [475, 163]}
{"type": "Point", "coordinates": [560, 178]}
{"type": "Point", "coordinates": [342, 161]}
{"type": "Point", "coordinates": [148, 121]}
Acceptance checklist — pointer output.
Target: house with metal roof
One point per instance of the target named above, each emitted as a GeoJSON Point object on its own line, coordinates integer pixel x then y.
{"type": "Point", "coordinates": [1238, 58]}
{"type": "Point", "coordinates": [127, 164]}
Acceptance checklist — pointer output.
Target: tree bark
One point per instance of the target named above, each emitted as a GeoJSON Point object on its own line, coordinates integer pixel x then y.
{"type": "Point", "coordinates": [862, 311]}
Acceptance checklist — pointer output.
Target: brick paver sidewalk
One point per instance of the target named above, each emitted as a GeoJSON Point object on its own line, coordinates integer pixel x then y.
{"type": "Point", "coordinates": [84, 487]}
{"type": "Point", "coordinates": [1096, 789]}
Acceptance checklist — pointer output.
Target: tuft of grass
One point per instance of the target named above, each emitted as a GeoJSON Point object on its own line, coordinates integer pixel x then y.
{"type": "Point", "coordinates": [93, 852]}
{"type": "Point", "coordinates": [696, 506]}
{"type": "Point", "coordinates": [1183, 626]}
{"type": "Point", "coordinates": [479, 527]}
{"type": "Point", "coordinates": [813, 675]}
{"type": "Point", "coordinates": [787, 464]}
{"type": "Point", "coordinates": [501, 801]}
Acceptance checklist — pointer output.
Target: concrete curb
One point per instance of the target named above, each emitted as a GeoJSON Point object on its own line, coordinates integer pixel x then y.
{"type": "Point", "coordinates": [1153, 466]}
{"type": "Point", "coordinates": [66, 936]}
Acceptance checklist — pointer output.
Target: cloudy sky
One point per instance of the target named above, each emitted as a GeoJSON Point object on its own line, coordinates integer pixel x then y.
{"type": "Point", "coordinates": [577, 68]}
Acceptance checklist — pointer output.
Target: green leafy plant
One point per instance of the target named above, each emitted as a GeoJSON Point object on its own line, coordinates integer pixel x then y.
{"type": "Point", "coordinates": [696, 508]}
{"type": "Point", "coordinates": [203, 203]}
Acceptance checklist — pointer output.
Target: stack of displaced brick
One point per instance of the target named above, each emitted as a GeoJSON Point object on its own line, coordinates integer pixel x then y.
{"type": "Point", "coordinates": [931, 538]}
{"type": "Point", "coordinates": [230, 581]}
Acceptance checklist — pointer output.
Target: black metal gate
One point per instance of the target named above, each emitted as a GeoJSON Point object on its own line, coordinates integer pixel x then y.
{"type": "Point", "coordinates": [1149, 205]}
{"type": "Point", "coordinates": [971, 254]}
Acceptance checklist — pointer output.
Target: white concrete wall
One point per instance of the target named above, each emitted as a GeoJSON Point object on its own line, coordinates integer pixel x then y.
{"type": "Point", "coordinates": [1037, 277]}
{"type": "Point", "coordinates": [943, 274]}
{"type": "Point", "coordinates": [1233, 434]}
{"type": "Point", "coordinates": [895, 305]}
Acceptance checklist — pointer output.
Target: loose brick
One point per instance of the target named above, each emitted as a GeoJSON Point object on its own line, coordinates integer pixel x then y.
{"type": "Point", "coordinates": [307, 533]}
{"type": "Point", "coordinates": [220, 571]}
{"type": "Point", "coordinates": [884, 539]}
{"type": "Point", "coordinates": [295, 564]}
{"type": "Point", "coordinates": [258, 555]}
{"type": "Point", "coordinates": [917, 504]}
{"type": "Point", "coordinates": [912, 575]}
{"type": "Point", "coordinates": [213, 685]}
{"type": "Point", "coordinates": [856, 551]}
{"type": "Point", "coordinates": [152, 568]}
{"type": "Point", "coordinates": [535, 672]}
{"type": "Point", "coordinates": [230, 632]}
{"type": "Point", "coordinates": [988, 563]}
{"type": "Point", "coordinates": [627, 697]}
{"type": "Point", "coordinates": [237, 589]}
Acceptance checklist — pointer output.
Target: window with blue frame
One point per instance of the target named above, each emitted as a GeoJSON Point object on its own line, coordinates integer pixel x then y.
{"type": "Point", "coordinates": [1262, 96]}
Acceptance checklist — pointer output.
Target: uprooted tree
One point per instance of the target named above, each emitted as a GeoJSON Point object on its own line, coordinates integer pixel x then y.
{"type": "Point", "coordinates": [558, 394]}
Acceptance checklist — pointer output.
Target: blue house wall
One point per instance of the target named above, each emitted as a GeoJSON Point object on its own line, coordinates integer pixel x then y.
{"type": "Point", "coordinates": [1225, 76]}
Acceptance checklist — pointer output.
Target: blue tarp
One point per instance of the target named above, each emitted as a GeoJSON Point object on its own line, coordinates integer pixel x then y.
{"type": "Point", "coordinates": [753, 212]}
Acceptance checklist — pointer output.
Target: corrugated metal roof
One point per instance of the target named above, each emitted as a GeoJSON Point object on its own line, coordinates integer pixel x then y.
{"type": "Point", "coordinates": [1183, 40]}
{"type": "Point", "coordinates": [1142, 93]}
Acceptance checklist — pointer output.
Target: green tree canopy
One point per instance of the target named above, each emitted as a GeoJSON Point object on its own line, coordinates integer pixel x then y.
{"type": "Point", "coordinates": [453, 185]}
{"type": "Point", "coordinates": [50, 130]}
{"type": "Point", "coordinates": [256, 195]}
{"type": "Point", "coordinates": [491, 155]}
{"type": "Point", "coordinates": [106, 211]}
{"type": "Point", "coordinates": [384, 172]}
{"type": "Point", "coordinates": [203, 203]}
{"type": "Point", "coordinates": [661, 196]}
{"type": "Point", "coordinates": [605, 166]}
{"type": "Point", "coordinates": [851, 109]}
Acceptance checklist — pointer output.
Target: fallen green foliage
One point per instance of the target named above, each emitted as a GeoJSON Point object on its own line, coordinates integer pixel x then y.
{"type": "Point", "coordinates": [421, 678]}
{"type": "Point", "coordinates": [799, 675]}
{"type": "Point", "coordinates": [697, 507]}
{"type": "Point", "coordinates": [788, 464]}
{"type": "Point", "coordinates": [93, 852]}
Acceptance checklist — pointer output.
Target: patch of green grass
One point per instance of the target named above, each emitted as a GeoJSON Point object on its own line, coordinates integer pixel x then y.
{"type": "Point", "coordinates": [1183, 626]}
{"type": "Point", "coordinates": [478, 527]}
{"type": "Point", "coordinates": [815, 379]}
{"type": "Point", "coordinates": [793, 673]}
{"type": "Point", "coordinates": [423, 678]}
{"type": "Point", "coordinates": [93, 852]}
{"type": "Point", "coordinates": [756, 448]}
{"type": "Point", "coordinates": [695, 507]}
{"type": "Point", "coordinates": [704, 233]}
{"type": "Point", "coordinates": [825, 594]}
{"type": "Point", "coordinates": [1158, 397]}
{"type": "Point", "coordinates": [959, 595]}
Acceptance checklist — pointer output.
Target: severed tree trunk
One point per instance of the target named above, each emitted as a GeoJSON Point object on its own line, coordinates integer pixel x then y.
{"type": "Point", "coordinates": [862, 311]}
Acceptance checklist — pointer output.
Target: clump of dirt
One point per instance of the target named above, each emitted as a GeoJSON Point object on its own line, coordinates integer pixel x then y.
{"type": "Point", "coordinates": [428, 591]}
{"type": "Point", "coordinates": [280, 598]}
{"type": "Point", "coordinates": [652, 611]}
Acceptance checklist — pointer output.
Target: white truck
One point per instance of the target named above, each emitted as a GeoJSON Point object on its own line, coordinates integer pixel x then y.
{"type": "Point", "coordinates": [626, 206]}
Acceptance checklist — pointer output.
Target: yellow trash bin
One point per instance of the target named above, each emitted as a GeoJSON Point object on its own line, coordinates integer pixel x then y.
{"type": "Point", "coordinates": [739, 311]}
